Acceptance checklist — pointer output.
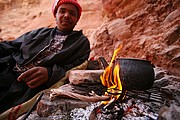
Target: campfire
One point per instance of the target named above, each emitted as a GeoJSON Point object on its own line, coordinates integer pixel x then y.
{"type": "Point", "coordinates": [117, 91]}
{"type": "Point", "coordinates": [122, 90]}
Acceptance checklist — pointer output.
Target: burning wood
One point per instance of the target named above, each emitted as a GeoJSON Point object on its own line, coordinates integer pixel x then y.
{"type": "Point", "coordinates": [111, 101]}
{"type": "Point", "coordinates": [130, 109]}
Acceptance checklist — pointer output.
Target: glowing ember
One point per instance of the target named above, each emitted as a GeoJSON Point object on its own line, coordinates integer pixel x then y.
{"type": "Point", "coordinates": [111, 79]}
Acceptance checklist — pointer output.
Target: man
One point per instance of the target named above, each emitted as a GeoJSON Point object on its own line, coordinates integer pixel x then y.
{"type": "Point", "coordinates": [39, 58]}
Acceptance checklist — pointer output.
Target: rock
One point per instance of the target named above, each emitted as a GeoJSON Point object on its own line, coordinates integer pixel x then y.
{"type": "Point", "coordinates": [77, 77]}
{"type": "Point", "coordinates": [46, 107]}
{"type": "Point", "coordinates": [63, 105]}
{"type": "Point", "coordinates": [169, 113]}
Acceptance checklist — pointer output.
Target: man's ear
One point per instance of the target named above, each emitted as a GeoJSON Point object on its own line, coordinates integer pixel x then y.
{"type": "Point", "coordinates": [55, 17]}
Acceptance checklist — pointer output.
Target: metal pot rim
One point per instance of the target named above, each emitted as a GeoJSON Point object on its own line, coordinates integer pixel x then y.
{"type": "Point", "coordinates": [133, 59]}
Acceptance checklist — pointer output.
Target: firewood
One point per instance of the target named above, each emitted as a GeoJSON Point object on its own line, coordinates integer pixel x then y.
{"type": "Point", "coordinates": [92, 98]}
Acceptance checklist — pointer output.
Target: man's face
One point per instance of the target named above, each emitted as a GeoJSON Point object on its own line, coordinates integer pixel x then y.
{"type": "Point", "coordinates": [66, 17]}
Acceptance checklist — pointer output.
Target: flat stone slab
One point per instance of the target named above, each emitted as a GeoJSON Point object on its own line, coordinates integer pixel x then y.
{"type": "Point", "coordinates": [78, 77]}
{"type": "Point", "coordinates": [46, 107]}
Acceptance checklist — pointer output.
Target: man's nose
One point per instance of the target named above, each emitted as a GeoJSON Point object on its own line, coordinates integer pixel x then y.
{"type": "Point", "coordinates": [66, 14]}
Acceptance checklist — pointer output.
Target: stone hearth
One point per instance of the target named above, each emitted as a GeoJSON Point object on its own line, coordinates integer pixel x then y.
{"type": "Point", "coordinates": [164, 106]}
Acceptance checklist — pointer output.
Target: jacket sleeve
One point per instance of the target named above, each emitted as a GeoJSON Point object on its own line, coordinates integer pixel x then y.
{"type": "Point", "coordinates": [10, 47]}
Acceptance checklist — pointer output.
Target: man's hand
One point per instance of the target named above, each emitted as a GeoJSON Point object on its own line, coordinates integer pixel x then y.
{"type": "Point", "coordinates": [34, 77]}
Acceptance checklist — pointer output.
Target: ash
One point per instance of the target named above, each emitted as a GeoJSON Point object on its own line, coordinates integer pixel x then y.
{"type": "Point", "coordinates": [138, 110]}
{"type": "Point", "coordinates": [83, 114]}
{"type": "Point", "coordinates": [132, 109]}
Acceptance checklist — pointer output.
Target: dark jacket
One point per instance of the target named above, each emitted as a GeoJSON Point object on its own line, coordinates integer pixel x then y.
{"type": "Point", "coordinates": [76, 50]}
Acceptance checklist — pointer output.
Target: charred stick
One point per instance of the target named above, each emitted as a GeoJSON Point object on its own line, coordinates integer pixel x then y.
{"type": "Point", "coordinates": [34, 105]}
{"type": "Point", "coordinates": [105, 64]}
{"type": "Point", "coordinates": [111, 101]}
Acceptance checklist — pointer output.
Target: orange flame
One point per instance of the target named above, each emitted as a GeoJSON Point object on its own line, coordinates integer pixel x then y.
{"type": "Point", "coordinates": [111, 78]}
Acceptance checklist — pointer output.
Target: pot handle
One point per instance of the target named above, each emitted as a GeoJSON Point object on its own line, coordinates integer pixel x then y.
{"type": "Point", "coordinates": [104, 62]}
{"type": "Point", "coordinates": [152, 65]}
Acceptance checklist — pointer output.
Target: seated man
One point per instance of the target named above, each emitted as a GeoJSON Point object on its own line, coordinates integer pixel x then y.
{"type": "Point", "coordinates": [39, 58]}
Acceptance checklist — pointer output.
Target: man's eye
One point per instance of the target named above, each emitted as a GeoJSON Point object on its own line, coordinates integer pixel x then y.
{"type": "Point", "coordinates": [62, 11]}
{"type": "Point", "coordinates": [73, 13]}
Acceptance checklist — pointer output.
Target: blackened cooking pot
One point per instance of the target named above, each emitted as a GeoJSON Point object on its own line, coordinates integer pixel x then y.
{"type": "Point", "coordinates": [136, 74]}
